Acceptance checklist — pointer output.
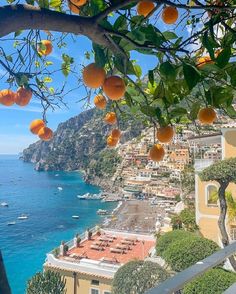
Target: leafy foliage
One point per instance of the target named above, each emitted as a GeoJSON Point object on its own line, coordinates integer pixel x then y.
{"type": "Point", "coordinates": [223, 171]}
{"type": "Point", "coordinates": [215, 281]}
{"type": "Point", "coordinates": [46, 283]}
{"type": "Point", "coordinates": [183, 253]}
{"type": "Point", "coordinates": [168, 238]}
{"type": "Point", "coordinates": [187, 217]}
{"type": "Point", "coordinates": [137, 277]}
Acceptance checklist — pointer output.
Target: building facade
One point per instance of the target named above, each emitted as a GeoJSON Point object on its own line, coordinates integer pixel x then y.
{"type": "Point", "coordinates": [206, 199]}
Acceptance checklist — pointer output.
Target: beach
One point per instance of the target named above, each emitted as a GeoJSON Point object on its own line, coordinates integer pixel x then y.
{"type": "Point", "coordinates": [136, 215]}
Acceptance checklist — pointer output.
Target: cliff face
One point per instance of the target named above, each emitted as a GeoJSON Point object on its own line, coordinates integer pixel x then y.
{"type": "Point", "coordinates": [80, 143]}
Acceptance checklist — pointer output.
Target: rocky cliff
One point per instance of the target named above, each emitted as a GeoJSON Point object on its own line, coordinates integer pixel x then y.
{"type": "Point", "coordinates": [80, 144]}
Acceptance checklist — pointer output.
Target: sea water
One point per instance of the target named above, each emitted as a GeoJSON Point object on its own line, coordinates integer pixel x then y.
{"type": "Point", "coordinates": [49, 210]}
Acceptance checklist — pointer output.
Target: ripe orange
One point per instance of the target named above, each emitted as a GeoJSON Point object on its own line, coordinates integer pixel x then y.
{"type": "Point", "coordinates": [73, 8]}
{"type": "Point", "coordinates": [157, 152]}
{"type": "Point", "coordinates": [145, 7]}
{"type": "Point", "coordinates": [36, 125]}
{"type": "Point", "coordinates": [110, 118]}
{"type": "Point", "coordinates": [23, 96]}
{"type": "Point", "coordinates": [170, 15]}
{"type": "Point", "coordinates": [111, 141]}
{"type": "Point", "coordinates": [94, 76]}
{"type": "Point", "coordinates": [78, 2]}
{"type": "Point", "coordinates": [114, 87]}
{"type": "Point", "coordinates": [116, 133]}
{"type": "Point", "coordinates": [45, 134]}
{"type": "Point", "coordinates": [165, 134]}
{"type": "Point", "coordinates": [7, 97]}
{"type": "Point", "coordinates": [100, 101]}
{"type": "Point", "coordinates": [48, 47]}
{"type": "Point", "coordinates": [207, 115]}
{"type": "Point", "coordinates": [202, 61]}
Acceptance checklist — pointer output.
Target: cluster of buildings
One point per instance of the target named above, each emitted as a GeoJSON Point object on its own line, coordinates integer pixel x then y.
{"type": "Point", "coordinates": [142, 177]}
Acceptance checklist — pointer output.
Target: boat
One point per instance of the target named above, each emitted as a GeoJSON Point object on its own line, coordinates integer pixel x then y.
{"type": "Point", "coordinates": [56, 175]}
{"type": "Point", "coordinates": [23, 217]}
{"type": "Point", "coordinates": [4, 204]}
{"type": "Point", "coordinates": [60, 188]}
{"type": "Point", "coordinates": [93, 196]}
{"type": "Point", "coordinates": [102, 212]}
{"type": "Point", "coordinates": [81, 197]}
{"type": "Point", "coordinates": [75, 216]}
{"type": "Point", "coordinates": [11, 223]}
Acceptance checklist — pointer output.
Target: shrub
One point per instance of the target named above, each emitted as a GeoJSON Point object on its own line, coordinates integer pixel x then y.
{"type": "Point", "coordinates": [186, 252]}
{"type": "Point", "coordinates": [215, 281]}
{"type": "Point", "coordinates": [164, 241]}
{"type": "Point", "coordinates": [187, 217]}
{"type": "Point", "coordinates": [46, 283]}
{"type": "Point", "coordinates": [138, 276]}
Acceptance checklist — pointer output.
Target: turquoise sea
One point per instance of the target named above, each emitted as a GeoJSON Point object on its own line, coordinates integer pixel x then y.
{"type": "Point", "coordinates": [25, 244]}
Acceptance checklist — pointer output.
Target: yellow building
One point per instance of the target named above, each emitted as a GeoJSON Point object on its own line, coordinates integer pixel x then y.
{"type": "Point", "coordinates": [206, 203]}
{"type": "Point", "coordinates": [89, 267]}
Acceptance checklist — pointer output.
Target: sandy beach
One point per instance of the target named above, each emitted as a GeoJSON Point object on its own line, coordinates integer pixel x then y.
{"type": "Point", "coordinates": [136, 215]}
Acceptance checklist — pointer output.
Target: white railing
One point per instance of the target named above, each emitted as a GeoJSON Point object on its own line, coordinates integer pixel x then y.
{"type": "Point", "coordinates": [84, 265]}
{"type": "Point", "coordinates": [201, 164]}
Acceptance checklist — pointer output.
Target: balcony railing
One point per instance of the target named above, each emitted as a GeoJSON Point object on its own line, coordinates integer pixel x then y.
{"type": "Point", "coordinates": [201, 164]}
{"type": "Point", "coordinates": [176, 283]}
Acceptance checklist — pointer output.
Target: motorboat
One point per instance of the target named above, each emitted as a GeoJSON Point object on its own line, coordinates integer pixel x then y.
{"type": "Point", "coordinates": [75, 216]}
{"type": "Point", "coordinates": [60, 188]}
{"type": "Point", "coordinates": [102, 212]}
{"type": "Point", "coordinates": [23, 217]}
{"type": "Point", "coordinates": [11, 223]}
{"type": "Point", "coordinates": [4, 204]}
{"type": "Point", "coordinates": [81, 197]}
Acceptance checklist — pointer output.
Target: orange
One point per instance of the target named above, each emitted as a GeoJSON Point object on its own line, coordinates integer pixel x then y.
{"type": "Point", "coordinates": [110, 118]}
{"type": "Point", "coordinates": [202, 61]}
{"type": "Point", "coordinates": [114, 87]}
{"type": "Point", "coordinates": [78, 2]}
{"type": "Point", "coordinates": [100, 101]}
{"type": "Point", "coordinates": [94, 76]}
{"type": "Point", "coordinates": [207, 115]}
{"type": "Point", "coordinates": [116, 133]}
{"type": "Point", "coordinates": [7, 97]}
{"type": "Point", "coordinates": [23, 96]}
{"type": "Point", "coordinates": [145, 7]}
{"type": "Point", "coordinates": [165, 134]}
{"type": "Point", "coordinates": [45, 134]}
{"type": "Point", "coordinates": [157, 152]}
{"type": "Point", "coordinates": [48, 47]}
{"type": "Point", "coordinates": [36, 125]}
{"type": "Point", "coordinates": [170, 15]}
{"type": "Point", "coordinates": [111, 142]}
{"type": "Point", "coordinates": [73, 8]}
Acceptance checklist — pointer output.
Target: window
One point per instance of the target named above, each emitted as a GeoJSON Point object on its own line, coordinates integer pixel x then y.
{"type": "Point", "coordinates": [212, 195]}
{"type": "Point", "coordinates": [95, 282]}
{"type": "Point", "coordinates": [94, 291]}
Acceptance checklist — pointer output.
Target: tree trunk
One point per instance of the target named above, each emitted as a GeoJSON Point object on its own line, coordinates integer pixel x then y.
{"type": "Point", "coordinates": [221, 221]}
{"type": "Point", "coordinates": [4, 285]}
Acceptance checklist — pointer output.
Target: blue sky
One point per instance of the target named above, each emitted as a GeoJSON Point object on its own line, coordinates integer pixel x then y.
{"type": "Point", "coordinates": [14, 121]}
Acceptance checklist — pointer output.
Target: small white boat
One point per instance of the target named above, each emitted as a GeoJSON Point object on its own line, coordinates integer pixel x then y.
{"type": "Point", "coordinates": [56, 175]}
{"type": "Point", "coordinates": [75, 216]}
{"type": "Point", "coordinates": [81, 197]}
{"type": "Point", "coordinates": [11, 223]}
{"type": "Point", "coordinates": [23, 217]}
{"type": "Point", "coordinates": [102, 212]}
{"type": "Point", "coordinates": [4, 204]}
{"type": "Point", "coordinates": [60, 188]}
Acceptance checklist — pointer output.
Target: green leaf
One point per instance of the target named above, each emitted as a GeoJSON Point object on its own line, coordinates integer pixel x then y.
{"type": "Point", "coordinates": [194, 110]}
{"type": "Point", "coordinates": [120, 23]}
{"type": "Point", "coordinates": [178, 112]}
{"type": "Point", "coordinates": [169, 35]}
{"type": "Point", "coordinates": [47, 80]}
{"type": "Point", "coordinates": [223, 58]}
{"type": "Point", "coordinates": [191, 75]}
{"type": "Point", "coordinates": [124, 67]}
{"type": "Point", "coordinates": [167, 70]}
{"type": "Point", "coordinates": [9, 58]}
{"type": "Point", "coordinates": [100, 58]}
{"type": "Point", "coordinates": [151, 77]}
{"type": "Point", "coordinates": [138, 70]}
{"type": "Point", "coordinates": [55, 3]}
{"type": "Point", "coordinates": [148, 110]}
{"type": "Point", "coordinates": [17, 33]}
